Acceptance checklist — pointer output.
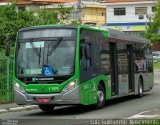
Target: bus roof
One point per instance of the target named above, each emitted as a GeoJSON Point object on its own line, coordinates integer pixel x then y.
{"type": "Point", "coordinates": [113, 34]}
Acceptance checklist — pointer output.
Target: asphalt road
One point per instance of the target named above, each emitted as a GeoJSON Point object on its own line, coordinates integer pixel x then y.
{"type": "Point", "coordinates": [122, 108]}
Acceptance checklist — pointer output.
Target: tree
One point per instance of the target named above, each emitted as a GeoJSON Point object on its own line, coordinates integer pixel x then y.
{"type": "Point", "coordinates": [46, 16]}
{"type": "Point", "coordinates": [153, 31]}
{"type": "Point", "coordinates": [11, 19]}
{"type": "Point", "coordinates": [63, 13]}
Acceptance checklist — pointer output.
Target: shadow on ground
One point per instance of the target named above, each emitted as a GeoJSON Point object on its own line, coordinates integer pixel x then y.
{"type": "Point", "coordinates": [79, 109]}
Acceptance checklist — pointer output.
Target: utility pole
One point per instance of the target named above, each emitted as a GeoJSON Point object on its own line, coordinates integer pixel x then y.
{"type": "Point", "coordinates": [79, 8]}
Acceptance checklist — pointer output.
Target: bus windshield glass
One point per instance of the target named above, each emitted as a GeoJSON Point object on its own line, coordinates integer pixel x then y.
{"type": "Point", "coordinates": [47, 56]}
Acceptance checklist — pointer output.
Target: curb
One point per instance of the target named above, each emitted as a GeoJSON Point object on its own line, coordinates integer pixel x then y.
{"type": "Point", "coordinates": [3, 110]}
{"type": "Point", "coordinates": [21, 108]}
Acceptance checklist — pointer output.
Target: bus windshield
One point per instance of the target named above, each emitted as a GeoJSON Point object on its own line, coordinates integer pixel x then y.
{"type": "Point", "coordinates": [45, 57]}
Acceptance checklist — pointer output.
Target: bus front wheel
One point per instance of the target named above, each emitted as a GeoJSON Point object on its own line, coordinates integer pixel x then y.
{"type": "Point", "coordinates": [100, 97]}
{"type": "Point", "coordinates": [47, 108]}
{"type": "Point", "coordinates": [140, 88]}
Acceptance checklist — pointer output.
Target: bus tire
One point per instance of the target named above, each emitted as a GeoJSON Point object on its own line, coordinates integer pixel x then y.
{"type": "Point", "coordinates": [100, 97]}
{"type": "Point", "coordinates": [47, 108]}
{"type": "Point", "coordinates": [140, 88]}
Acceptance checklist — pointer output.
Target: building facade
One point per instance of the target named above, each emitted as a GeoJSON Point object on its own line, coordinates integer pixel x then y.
{"type": "Point", "coordinates": [85, 12]}
{"type": "Point", "coordinates": [130, 16]}
{"type": "Point", "coordinates": [4, 2]}
{"type": "Point", "coordinates": [33, 5]}
{"type": "Point", "coordinates": [90, 12]}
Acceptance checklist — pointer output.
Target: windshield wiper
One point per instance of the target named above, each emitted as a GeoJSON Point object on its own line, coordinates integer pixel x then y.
{"type": "Point", "coordinates": [59, 39]}
{"type": "Point", "coordinates": [38, 53]}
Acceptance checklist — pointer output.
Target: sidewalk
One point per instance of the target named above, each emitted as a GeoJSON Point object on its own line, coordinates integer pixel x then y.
{"type": "Point", "coordinates": [8, 105]}
{"type": "Point", "coordinates": [13, 107]}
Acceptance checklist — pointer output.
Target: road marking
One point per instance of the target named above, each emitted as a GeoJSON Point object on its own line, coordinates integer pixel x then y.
{"type": "Point", "coordinates": [141, 115]}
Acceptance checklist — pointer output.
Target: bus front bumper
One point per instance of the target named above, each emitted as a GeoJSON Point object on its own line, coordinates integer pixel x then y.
{"type": "Point", "coordinates": [70, 97]}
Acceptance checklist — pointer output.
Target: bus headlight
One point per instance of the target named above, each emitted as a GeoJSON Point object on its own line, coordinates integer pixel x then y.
{"type": "Point", "coordinates": [18, 87]}
{"type": "Point", "coordinates": [70, 86]}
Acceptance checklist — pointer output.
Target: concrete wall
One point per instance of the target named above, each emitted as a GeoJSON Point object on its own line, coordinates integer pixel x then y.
{"type": "Point", "coordinates": [130, 16]}
{"type": "Point", "coordinates": [129, 22]}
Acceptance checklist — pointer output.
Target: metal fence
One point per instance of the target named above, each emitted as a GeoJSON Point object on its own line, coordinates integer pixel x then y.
{"type": "Point", "coordinates": [6, 83]}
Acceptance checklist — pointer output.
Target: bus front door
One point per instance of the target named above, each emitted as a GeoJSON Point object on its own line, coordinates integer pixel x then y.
{"type": "Point", "coordinates": [130, 68]}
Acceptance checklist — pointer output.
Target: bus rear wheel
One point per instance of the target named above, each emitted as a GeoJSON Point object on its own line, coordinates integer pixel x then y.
{"type": "Point", "coordinates": [47, 108]}
{"type": "Point", "coordinates": [100, 97]}
{"type": "Point", "coordinates": [140, 88]}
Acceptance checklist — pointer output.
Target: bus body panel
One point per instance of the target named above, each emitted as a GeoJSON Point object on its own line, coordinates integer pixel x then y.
{"type": "Point", "coordinates": [136, 78]}
{"type": "Point", "coordinates": [123, 85]}
{"type": "Point", "coordinates": [85, 91]}
{"type": "Point", "coordinates": [71, 97]}
{"type": "Point", "coordinates": [150, 81]}
{"type": "Point", "coordinates": [88, 89]}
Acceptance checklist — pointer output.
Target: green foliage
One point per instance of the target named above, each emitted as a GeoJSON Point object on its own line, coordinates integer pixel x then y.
{"type": "Point", "coordinates": [156, 65]}
{"type": "Point", "coordinates": [76, 22]}
{"type": "Point", "coordinates": [153, 32]}
{"type": "Point", "coordinates": [11, 20]}
{"type": "Point", "coordinates": [46, 16]}
{"type": "Point", "coordinates": [63, 12]}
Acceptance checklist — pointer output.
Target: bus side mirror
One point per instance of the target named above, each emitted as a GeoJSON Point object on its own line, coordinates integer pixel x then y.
{"type": "Point", "coordinates": [11, 38]}
{"type": "Point", "coordinates": [8, 49]}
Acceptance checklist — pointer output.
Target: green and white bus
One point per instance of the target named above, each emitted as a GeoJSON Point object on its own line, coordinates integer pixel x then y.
{"type": "Point", "coordinates": [63, 64]}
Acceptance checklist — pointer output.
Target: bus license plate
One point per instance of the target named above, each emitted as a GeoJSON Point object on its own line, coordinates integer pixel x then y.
{"type": "Point", "coordinates": [43, 100]}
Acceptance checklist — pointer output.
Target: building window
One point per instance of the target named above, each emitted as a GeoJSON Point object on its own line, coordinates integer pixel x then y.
{"type": "Point", "coordinates": [75, 15]}
{"type": "Point", "coordinates": [102, 14]}
{"type": "Point", "coordinates": [140, 10]}
{"type": "Point", "coordinates": [119, 11]}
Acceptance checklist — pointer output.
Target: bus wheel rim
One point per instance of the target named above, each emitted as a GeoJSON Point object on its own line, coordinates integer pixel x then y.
{"type": "Point", "coordinates": [100, 95]}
